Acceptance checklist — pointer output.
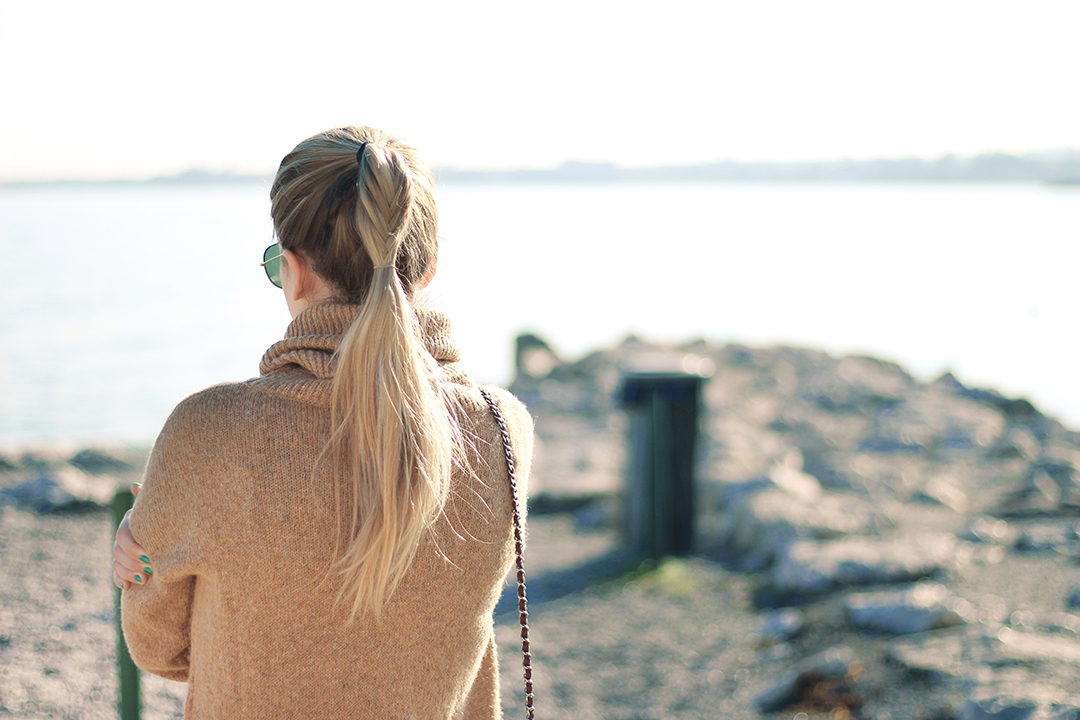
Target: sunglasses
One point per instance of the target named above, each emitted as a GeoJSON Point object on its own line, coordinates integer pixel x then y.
{"type": "Point", "coordinates": [271, 263]}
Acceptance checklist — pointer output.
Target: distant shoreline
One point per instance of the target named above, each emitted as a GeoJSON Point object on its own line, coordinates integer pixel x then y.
{"type": "Point", "coordinates": [1055, 168]}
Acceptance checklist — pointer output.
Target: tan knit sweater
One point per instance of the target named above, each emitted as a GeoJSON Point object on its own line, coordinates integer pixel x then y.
{"type": "Point", "coordinates": [241, 537]}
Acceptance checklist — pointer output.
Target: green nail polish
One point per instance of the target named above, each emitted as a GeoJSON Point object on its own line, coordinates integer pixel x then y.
{"type": "Point", "coordinates": [144, 558]}
{"type": "Point", "coordinates": [148, 571]}
{"type": "Point", "coordinates": [138, 579]}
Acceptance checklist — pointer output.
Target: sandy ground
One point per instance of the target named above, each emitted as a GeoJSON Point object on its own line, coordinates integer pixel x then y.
{"type": "Point", "coordinates": [611, 639]}
{"type": "Point", "coordinates": [57, 626]}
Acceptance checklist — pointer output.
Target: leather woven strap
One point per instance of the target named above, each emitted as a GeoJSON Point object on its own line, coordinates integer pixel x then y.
{"type": "Point", "coordinates": [523, 605]}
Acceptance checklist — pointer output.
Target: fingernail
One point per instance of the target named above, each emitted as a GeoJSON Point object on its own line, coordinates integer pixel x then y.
{"type": "Point", "coordinates": [138, 579]}
{"type": "Point", "coordinates": [143, 558]}
{"type": "Point", "coordinates": [148, 571]}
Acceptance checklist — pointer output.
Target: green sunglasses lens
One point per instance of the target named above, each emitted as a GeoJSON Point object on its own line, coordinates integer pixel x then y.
{"type": "Point", "coordinates": [272, 264]}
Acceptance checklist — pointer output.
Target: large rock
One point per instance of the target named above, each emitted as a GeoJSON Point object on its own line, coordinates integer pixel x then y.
{"type": "Point", "coordinates": [938, 657]}
{"type": "Point", "coordinates": [1062, 536]}
{"type": "Point", "coordinates": [1059, 467]}
{"type": "Point", "coordinates": [1073, 601]}
{"type": "Point", "coordinates": [808, 568]}
{"type": "Point", "coordinates": [534, 358]}
{"type": "Point", "coordinates": [1039, 647]}
{"type": "Point", "coordinates": [924, 607]}
{"type": "Point", "coordinates": [61, 488]}
{"type": "Point", "coordinates": [1050, 486]}
{"type": "Point", "coordinates": [990, 531]}
{"type": "Point", "coordinates": [99, 462]}
{"type": "Point", "coordinates": [832, 663]}
{"type": "Point", "coordinates": [942, 491]}
{"type": "Point", "coordinates": [984, 657]}
{"type": "Point", "coordinates": [928, 420]}
{"type": "Point", "coordinates": [1020, 702]}
{"type": "Point", "coordinates": [855, 384]}
{"type": "Point", "coordinates": [1017, 442]}
{"type": "Point", "coordinates": [761, 518]}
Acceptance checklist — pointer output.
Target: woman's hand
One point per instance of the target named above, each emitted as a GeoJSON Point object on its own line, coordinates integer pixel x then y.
{"type": "Point", "coordinates": [131, 565]}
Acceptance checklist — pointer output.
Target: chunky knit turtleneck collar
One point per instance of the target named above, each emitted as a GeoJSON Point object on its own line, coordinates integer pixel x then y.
{"type": "Point", "coordinates": [314, 335]}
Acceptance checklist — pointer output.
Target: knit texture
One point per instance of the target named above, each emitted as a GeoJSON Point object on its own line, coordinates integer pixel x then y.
{"type": "Point", "coordinates": [239, 522]}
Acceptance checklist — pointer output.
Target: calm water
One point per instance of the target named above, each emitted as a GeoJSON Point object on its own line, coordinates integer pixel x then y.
{"type": "Point", "coordinates": [118, 302]}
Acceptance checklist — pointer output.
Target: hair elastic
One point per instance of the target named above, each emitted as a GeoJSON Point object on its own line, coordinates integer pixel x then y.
{"type": "Point", "coordinates": [360, 152]}
{"type": "Point", "coordinates": [391, 265]}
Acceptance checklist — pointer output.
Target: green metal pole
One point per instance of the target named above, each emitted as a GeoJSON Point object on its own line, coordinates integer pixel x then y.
{"type": "Point", "coordinates": [128, 701]}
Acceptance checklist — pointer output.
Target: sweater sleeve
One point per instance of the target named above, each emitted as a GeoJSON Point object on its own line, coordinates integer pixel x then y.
{"type": "Point", "coordinates": [176, 520]}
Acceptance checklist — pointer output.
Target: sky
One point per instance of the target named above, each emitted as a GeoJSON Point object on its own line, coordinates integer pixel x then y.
{"type": "Point", "coordinates": [134, 89]}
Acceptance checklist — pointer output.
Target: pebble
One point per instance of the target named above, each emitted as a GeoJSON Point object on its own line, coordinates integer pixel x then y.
{"type": "Point", "coordinates": [780, 626]}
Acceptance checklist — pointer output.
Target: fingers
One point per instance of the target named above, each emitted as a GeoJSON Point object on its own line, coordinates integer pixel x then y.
{"type": "Point", "coordinates": [124, 577]}
{"type": "Point", "coordinates": [130, 569]}
{"type": "Point", "coordinates": [130, 562]}
{"type": "Point", "coordinates": [131, 565]}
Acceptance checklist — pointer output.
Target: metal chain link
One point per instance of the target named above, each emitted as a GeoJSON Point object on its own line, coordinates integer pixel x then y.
{"type": "Point", "coordinates": [523, 606]}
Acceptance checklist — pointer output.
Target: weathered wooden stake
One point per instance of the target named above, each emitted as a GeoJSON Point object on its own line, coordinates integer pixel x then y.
{"type": "Point", "coordinates": [128, 701]}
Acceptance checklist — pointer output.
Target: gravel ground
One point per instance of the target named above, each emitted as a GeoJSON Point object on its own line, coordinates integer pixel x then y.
{"type": "Point", "coordinates": [57, 620]}
{"type": "Point", "coordinates": [618, 641]}
{"type": "Point", "coordinates": [610, 640]}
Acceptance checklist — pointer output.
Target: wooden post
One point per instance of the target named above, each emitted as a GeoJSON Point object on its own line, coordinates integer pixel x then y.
{"type": "Point", "coordinates": [659, 490]}
{"type": "Point", "coordinates": [128, 701]}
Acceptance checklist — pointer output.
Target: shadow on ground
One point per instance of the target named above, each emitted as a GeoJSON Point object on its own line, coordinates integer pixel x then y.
{"type": "Point", "coordinates": [545, 587]}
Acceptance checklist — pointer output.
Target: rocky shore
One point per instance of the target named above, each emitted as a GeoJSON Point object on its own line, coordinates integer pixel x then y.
{"type": "Point", "coordinates": [866, 546]}
{"type": "Point", "coordinates": [908, 549]}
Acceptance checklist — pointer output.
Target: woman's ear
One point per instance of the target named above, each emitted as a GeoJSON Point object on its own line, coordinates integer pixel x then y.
{"type": "Point", "coordinates": [295, 276]}
{"type": "Point", "coordinates": [430, 274]}
{"type": "Point", "coordinates": [303, 288]}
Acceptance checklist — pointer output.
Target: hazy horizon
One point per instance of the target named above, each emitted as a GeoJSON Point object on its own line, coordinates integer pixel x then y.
{"type": "Point", "coordinates": [1047, 156]}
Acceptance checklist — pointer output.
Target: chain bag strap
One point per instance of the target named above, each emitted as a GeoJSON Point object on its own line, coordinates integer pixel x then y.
{"type": "Point", "coordinates": [523, 606]}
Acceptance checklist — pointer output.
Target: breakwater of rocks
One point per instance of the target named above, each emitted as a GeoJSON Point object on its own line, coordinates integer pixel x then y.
{"type": "Point", "coordinates": [913, 547]}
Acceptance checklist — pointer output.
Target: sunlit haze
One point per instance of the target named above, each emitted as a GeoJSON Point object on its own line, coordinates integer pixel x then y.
{"type": "Point", "coordinates": [128, 89]}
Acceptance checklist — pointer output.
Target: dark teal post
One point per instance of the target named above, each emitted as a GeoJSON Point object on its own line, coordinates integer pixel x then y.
{"type": "Point", "coordinates": [128, 701]}
{"type": "Point", "coordinates": [659, 491]}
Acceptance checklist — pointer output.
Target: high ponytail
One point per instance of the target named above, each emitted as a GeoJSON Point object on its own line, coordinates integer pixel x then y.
{"type": "Point", "coordinates": [366, 220]}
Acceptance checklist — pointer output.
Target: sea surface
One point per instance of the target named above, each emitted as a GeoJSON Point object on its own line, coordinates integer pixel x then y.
{"type": "Point", "coordinates": [118, 301]}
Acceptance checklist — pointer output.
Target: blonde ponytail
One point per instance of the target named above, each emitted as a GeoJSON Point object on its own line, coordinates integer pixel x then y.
{"type": "Point", "coordinates": [394, 440]}
{"type": "Point", "coordinates": [392, 430]}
